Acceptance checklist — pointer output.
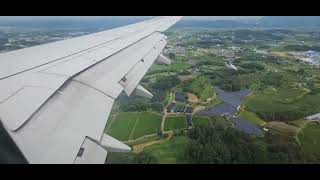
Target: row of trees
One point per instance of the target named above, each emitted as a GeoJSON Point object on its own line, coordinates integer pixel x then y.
{"type": "Point", "coordinates": [252, 65]}
{"type": "Point", "coordinates": [301, 48]}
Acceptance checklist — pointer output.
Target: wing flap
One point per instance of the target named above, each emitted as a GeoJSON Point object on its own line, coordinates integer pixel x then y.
{"type": "Point", "coordinates": [136, 74]}
{"type": "Point", "coordinates": [91, 153]}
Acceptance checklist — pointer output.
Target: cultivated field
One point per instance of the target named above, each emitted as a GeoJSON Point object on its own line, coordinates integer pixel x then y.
{"type": "Point", "coordinates": [198, 121]}
{"type": "Point", "coordinates": [121, 127]}
{"type": "Point", "coordinates": [309, 138]}
{"type": "Point", "coordinates": [283, 104]}
{"type": "Point", "coordinates": [132, 125]}
{"type": "Point", "coordinates": [175, 122]}
{"type": "Point", "coordinates": [170, 152]}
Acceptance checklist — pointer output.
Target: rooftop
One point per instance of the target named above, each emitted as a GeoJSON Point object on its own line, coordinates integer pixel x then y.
{"type": "Point", "coordinates": [180, 97]}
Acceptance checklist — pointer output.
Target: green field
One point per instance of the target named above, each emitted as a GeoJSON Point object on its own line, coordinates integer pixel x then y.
{"type": "Point", "coordinates": [148, 123]}
{"type": "Point", "coordinates": [175, 122]}
{"type": "Point", "coordinates": [131, 125]}
{"type": "Point", "coordinates": [207, 92]}
{"type": "Point", "coordinates": [120, 158]}
{"type": "Point", "coordinates": [252, 117]}
{"type": "Point", "coordinates": [170, 152]}
{"type": "Point", "coordinates": [174, 67]}
{"type": "Point", "coordinates": [197, 87]}
{"type": "Point", "coordinates": [198, 121]}
{"type": "Point", "coordinates": [283, 105]}
{"type": "Point", "coordinates": [309, 138]}
{"type": "Point", "coordinates": [122, 125]}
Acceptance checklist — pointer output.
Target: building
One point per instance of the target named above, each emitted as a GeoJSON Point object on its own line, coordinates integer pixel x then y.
{"type": "Point", "coordinates": [180, 97]}
{"type": "Point", "coordinates": [312, 117]}
{"type": "Point", "coordinates": [170, 108]}
{"type": "Point", "coordinates": [189, 110]}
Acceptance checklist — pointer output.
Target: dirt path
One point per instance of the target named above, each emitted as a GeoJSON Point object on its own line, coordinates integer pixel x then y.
{"type": "Point", "coordinates": [163, 119]}
{"type": "Point", "coordinates": [164, 112]}
{"type": "Point", "coordinates": [140, 147]}
{"type": "Point", "coordinates": [192, 98]}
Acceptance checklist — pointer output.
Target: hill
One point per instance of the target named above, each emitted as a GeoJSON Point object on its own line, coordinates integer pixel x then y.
{"type": "Point", "coordinates": [289, 21]}
{"type": "Point", "coordinates": [211, 24]}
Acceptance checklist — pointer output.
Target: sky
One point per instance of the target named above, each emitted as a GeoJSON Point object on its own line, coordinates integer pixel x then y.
{"type": "Point", "coordinates": [28, 18]}
{"type": "Point", "coordinates": [223, 17]}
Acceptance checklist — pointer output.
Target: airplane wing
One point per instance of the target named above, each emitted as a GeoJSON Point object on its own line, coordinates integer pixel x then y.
{"type": "Point", "coordinates": [55, 98]}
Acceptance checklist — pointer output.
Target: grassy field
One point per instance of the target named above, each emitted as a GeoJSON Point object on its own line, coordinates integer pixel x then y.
{"type": "Point", "coordinates": [122, 125]}
{"type": "Point", "coordinates": [175, 122]}
{"type": "Point", "coordinates": [131, 125]}
{"type": "Point", "coordinates": [198, 121]}
{"type": "Point", "coordinates": [201, 87]}
{"type": "Point", "coordinates": [148, 123]}
{"type": "Point", "coordinates": [120, 158]}
{"type": "Point", "coordinates": [207, 92]}
{"type": "Point", "coordinates": [251, 117]}
{"type": "Point", "coordinates": [174, 67]}
{"type": "Point", "coordinates": [309, 138]}
{"type": "Point", "coordinates": [170, 152]}
{"type": "Point", "coordinates": [283, 105]}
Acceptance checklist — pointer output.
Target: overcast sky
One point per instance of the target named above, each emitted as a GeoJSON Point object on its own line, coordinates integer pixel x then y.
{"type": "Point", "coordinates": [27, 18]}
{"type": "Point", "coordinates": [222, 17]}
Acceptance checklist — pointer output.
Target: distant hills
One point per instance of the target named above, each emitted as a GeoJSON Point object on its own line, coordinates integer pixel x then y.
{"type": "Point", "coordinates": [267, 21]}
{"type": "Point", "coordinates": [289, 21]}
{"type": "Point", "coordinates": [212, 24]}
{"type": "Point", "coordinates": [106, 23]}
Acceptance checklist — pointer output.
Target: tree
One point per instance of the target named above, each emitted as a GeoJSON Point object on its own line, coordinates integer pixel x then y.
{"type": "Point", "coordinates": [273, 79]}
{"type": "Point", "coordinates": [166, 82]}
{"type": "Point", "coordinates": [172, 55]}
{"type": "Point", "coordinates": [145, 158]}
{"type": "Point", "coordinates": [219, 146]}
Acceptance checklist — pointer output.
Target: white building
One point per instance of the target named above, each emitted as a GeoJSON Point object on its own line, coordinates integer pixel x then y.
{"type": "Point", "coordinates": [312, 117]}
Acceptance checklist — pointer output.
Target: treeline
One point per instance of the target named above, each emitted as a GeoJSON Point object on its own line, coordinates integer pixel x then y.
{"type": "Point", "coordinates": [252, 56]}
{"type": "Point", "coordinates": [256, 34]}
{"type": "Point", "coordinates": [273, 79]}
{"type": "Point", "coordinates": [287, 115]}
{"type": "Point", "coordinates": [252, 65]}
{"type": "Point", "coordinates": [301, 48]}
{"type": "Point", "coordinates": [229, 84]}
{"type": "Point", "coordinates": [226, 79]}
{"type": "Point", "coordinates": [166, 82]}
{"type": "Point", "coordinates": [212, 145]}
{"type": "Point", "coordinates": [140, 104]}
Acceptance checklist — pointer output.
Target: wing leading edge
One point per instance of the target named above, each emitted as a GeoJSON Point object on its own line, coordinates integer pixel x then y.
{"type": "Point", "coordinates": [55, 98]}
